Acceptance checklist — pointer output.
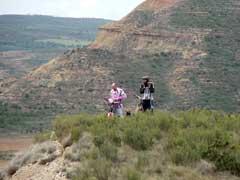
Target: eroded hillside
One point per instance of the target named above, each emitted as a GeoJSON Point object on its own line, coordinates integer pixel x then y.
{"type": "Point", "coordinates": [189, 48]}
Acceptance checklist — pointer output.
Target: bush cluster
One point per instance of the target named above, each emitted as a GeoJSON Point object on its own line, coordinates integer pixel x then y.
{"type": "Point", "coordinates": [186, 137]}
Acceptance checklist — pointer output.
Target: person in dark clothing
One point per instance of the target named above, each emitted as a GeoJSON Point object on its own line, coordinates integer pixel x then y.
{"type": "Point", "coordinates": [147, 90]}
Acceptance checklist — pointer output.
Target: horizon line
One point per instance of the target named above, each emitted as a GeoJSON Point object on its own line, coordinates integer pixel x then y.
{"type": "Point", "coordinates": [48, 15]}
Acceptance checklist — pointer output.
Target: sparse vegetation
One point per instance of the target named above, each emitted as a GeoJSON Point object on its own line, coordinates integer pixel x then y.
{"type": "Point", "coordinates": [166, 145]}
{"type": "Point", "coordinates": [42, 137]}
{"type": "Point", "coordinates": [45, 32]}
{"type": "Point", "coordinates": [185, 138]}
{"type": "Point", "coordinates": [66, 42]}
{"type": "Point", "coordinates": [13, 118]}
{"type": "Point", "coordinates": [7, 155]}
{"type": "Point", "coordinates": [42, 153]}
{"type": "Point", "coordinates": [221, 65]}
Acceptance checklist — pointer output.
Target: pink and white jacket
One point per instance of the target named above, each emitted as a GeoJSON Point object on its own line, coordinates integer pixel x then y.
{"type": "Point", "coordinates": [118, 95]}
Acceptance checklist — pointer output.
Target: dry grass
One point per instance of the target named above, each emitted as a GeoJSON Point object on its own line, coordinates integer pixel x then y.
{"type": "Point", "coordinates": [42, 153]}
{"type": "Point", "coordinates": [80, 150]}
{"type": "Point", "coordinates": [2, 175]}
{"type": "Point", "coordinates": [3, 163]}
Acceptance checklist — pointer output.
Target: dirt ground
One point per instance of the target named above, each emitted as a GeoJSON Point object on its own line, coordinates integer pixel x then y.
{"type": "Point", "coordinates": [13, 144]}
{"type": "Point", "coordinates": [3, 163]}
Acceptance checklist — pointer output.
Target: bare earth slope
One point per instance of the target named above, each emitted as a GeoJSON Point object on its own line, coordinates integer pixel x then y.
{"type": "Point", "coordinates": [37, 172]}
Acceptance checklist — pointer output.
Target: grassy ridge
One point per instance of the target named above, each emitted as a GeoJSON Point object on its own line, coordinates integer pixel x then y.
{"type": "Point", "coordinates": [185, 138]}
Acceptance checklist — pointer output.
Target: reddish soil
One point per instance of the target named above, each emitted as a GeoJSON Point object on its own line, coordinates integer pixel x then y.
{"type": "Point", "coordinates": [14, 143]}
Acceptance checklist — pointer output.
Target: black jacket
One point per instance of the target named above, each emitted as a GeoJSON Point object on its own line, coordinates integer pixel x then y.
{"type": "Point", "coordinates": [150, 85]}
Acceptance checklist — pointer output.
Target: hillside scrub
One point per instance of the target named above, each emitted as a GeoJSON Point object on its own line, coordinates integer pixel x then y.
{"type": "Point", "coordinates": [221, 18]}
{"type": "Point", "coordinates": [185, 138]}
{"type": "Point", "coordinates": [39, 153]}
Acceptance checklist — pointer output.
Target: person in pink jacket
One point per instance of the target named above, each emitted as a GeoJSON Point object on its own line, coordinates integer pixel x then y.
{"type": "Point", "coordinates": [117, 96]}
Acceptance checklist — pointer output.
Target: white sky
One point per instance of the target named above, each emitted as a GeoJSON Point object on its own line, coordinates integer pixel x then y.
{"type": "Point", "coordinates": [108, 9]}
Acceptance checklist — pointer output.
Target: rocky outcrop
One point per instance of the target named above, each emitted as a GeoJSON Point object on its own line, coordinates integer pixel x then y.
{"type": "Point", "coordinates": [49, 171]}
{"type": "Point", "coordinates": [144, 28]}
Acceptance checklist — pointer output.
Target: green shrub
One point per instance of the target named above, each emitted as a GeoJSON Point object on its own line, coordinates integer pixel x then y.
{"type": "Point", "coordinates": [138, 138]}
{"type": "Point", "coordinates": [133, 175]}
{"type": "Point", "coordinates": [224, 152]}
{"type": "Point", "coordinates": [186, 146]}
{"type": "Point", "coordinates": [81, 150]}
{"type": "Point", "coordinates": [74, 125]}
{"type": "Point", "coordinates": [109, 151]}
{"type": "Point", "coordinates": [186, 136]}
{"type": "Point", "coordinates": [42, 137]}
{"type": "Point", "coordinates": [101, 168]}
{"type": "Point", "coordinates": [79, 174]}
{"type": "Point", "coordinates": [142, 162]}
{"type": "Point", "coordinates": [75, 133]}
{"type": "Point", "coordinates": [206, 134]}
{"type": "Point", "coordinates": [99, 140]}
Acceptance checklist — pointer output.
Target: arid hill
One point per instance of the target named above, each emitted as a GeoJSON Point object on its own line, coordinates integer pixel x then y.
{"type": "Point", "coordinates": [189, 48]}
